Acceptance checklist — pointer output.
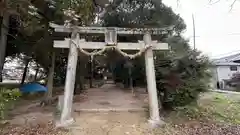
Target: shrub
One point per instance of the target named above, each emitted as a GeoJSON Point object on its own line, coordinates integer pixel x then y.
{"type": "Point", "coordinates": [7, 99]}
{"type": "Point", "coordinates": [181, 79]}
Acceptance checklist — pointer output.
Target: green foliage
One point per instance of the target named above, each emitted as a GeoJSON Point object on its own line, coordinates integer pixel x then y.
{"type": "Point", "coordinates": [135, 14]}
{"type": "Point", "coordinates": [84, 9]}
{"type": "Point", "coordinates": [7, 99]}
{"type": "Point", "coordinates": [181, 74]}
{"type": "Point", "coordinates": [183, 94]}
{"type": "Point", "coordinates": [31, 34]}
{"type": "Point", "coordinates": [143, 13]}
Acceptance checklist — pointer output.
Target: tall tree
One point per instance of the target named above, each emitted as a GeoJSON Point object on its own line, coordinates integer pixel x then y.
{"type": "Point", "coordinates": [174, 69]}
{"type": "Point", "coordinates": [26, 62]}
{"type": "Point", "coordinates": [3, 40]}
{"type": "Point", "coordinates": [48, 95]}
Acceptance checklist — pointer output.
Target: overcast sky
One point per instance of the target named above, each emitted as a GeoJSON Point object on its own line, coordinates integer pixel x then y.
{"type": "Point", "coordinates": [217, 28]}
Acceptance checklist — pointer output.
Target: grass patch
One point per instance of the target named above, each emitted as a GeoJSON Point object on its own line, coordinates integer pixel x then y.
{"type": "Point", "coordinates": [217, 107]}
{"type": "Point", "coordinates": [223, 107]}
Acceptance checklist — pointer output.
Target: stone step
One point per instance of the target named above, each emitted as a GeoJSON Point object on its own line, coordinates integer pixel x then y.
{"type": "Point", "coordinates": [112, 110]}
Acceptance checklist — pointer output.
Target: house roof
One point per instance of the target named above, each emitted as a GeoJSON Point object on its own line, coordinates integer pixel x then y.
{"type": "Point", "coordinates": [228, 60]}
{"type": "Point", "coordinates": [226, 64]}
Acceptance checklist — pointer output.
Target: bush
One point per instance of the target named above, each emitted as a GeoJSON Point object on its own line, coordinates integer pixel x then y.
{"type": "Point", "coordinates": [7, 100]}
{"type": "Point", "coordinates": [183, 94]}
{"type": "Point", "coordinates": [181, 79]}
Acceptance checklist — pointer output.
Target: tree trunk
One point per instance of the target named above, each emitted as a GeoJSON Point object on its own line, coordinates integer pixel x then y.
{"type": "Point", "coordinates": [36, 74]}
{"type": "Point", "coordinates": [91, 73]}
{"type": "Point", "coordinates": [3, 41]}
{"type": "Point", "coordinates": [130, 79]}
{"type": "Point", "coordinates": [25, 71]}
{"type": "Point", "coordinates": [48, 95]}
{"type": "Point", "coordinates": [81, 83]}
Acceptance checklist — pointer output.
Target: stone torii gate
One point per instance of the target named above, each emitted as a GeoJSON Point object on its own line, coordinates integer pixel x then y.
{"type": "Point", "coordinates": [75, 43]}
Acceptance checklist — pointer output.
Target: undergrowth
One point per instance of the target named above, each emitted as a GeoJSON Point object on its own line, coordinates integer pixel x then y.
{"type": "Point", "coordinates": [7, 99]}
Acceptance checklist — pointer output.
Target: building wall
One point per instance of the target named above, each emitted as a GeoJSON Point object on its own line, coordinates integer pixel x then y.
{"type": "Point", "coordinates": [224, 72]}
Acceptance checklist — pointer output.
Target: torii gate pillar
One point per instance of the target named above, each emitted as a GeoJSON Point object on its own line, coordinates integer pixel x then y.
{"type": "Point", "coordinates": [66, 109]}
{"type": "Point", "coordinates": [151, 84]}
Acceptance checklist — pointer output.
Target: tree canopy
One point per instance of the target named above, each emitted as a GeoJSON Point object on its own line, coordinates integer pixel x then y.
{"type": "Point", "coordinates": [181, 69]}
{"type": "Point", "coordinates": [181, 73]}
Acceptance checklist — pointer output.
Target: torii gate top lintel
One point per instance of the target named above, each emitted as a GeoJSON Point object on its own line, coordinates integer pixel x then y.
{"type": "Point", "coordinates": [110, 37]}
{"type": "Point", "coordinates": [101, 30]}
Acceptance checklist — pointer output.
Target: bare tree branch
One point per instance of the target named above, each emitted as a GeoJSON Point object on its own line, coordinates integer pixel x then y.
{"type": "Point", "coordinates": [211, 2]}
{"type": "Point", "coordinates": [231, 7]}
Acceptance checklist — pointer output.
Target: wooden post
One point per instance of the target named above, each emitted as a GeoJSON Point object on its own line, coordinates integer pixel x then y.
{"type": "Point", "coordinates": [151, 83]}
{"type": "Point", "coordinates": [66, 118]}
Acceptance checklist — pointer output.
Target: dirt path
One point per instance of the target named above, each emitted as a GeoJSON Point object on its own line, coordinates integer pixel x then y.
{"type": "Point", "coordinates": [111, 98]}
{"type": "Point", "coordinates": [111, 123]}
{"type": "Point", "coordinates": [108, 123]}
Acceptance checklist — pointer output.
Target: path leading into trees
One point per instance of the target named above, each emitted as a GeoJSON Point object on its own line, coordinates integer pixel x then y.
{"type": "Point", "coordinates": [110, 110]}
{"type": "Point", "coordinates": [109, 97]}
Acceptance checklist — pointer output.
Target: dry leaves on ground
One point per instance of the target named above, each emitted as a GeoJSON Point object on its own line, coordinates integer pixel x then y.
{"type": "Point", "coordinates": [36, 129]}
{"type": "Point", "coordinates": [209, 129]}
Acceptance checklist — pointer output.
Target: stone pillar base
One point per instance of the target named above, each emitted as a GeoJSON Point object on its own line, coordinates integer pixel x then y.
{"type": "Point", "coordinates": [155, 123]}
{"type": "Point", "coordinates": [64, 123]}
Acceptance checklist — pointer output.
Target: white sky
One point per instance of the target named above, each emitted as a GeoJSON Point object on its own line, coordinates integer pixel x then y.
{"type": "Point", "coordinates": [217, 28]}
